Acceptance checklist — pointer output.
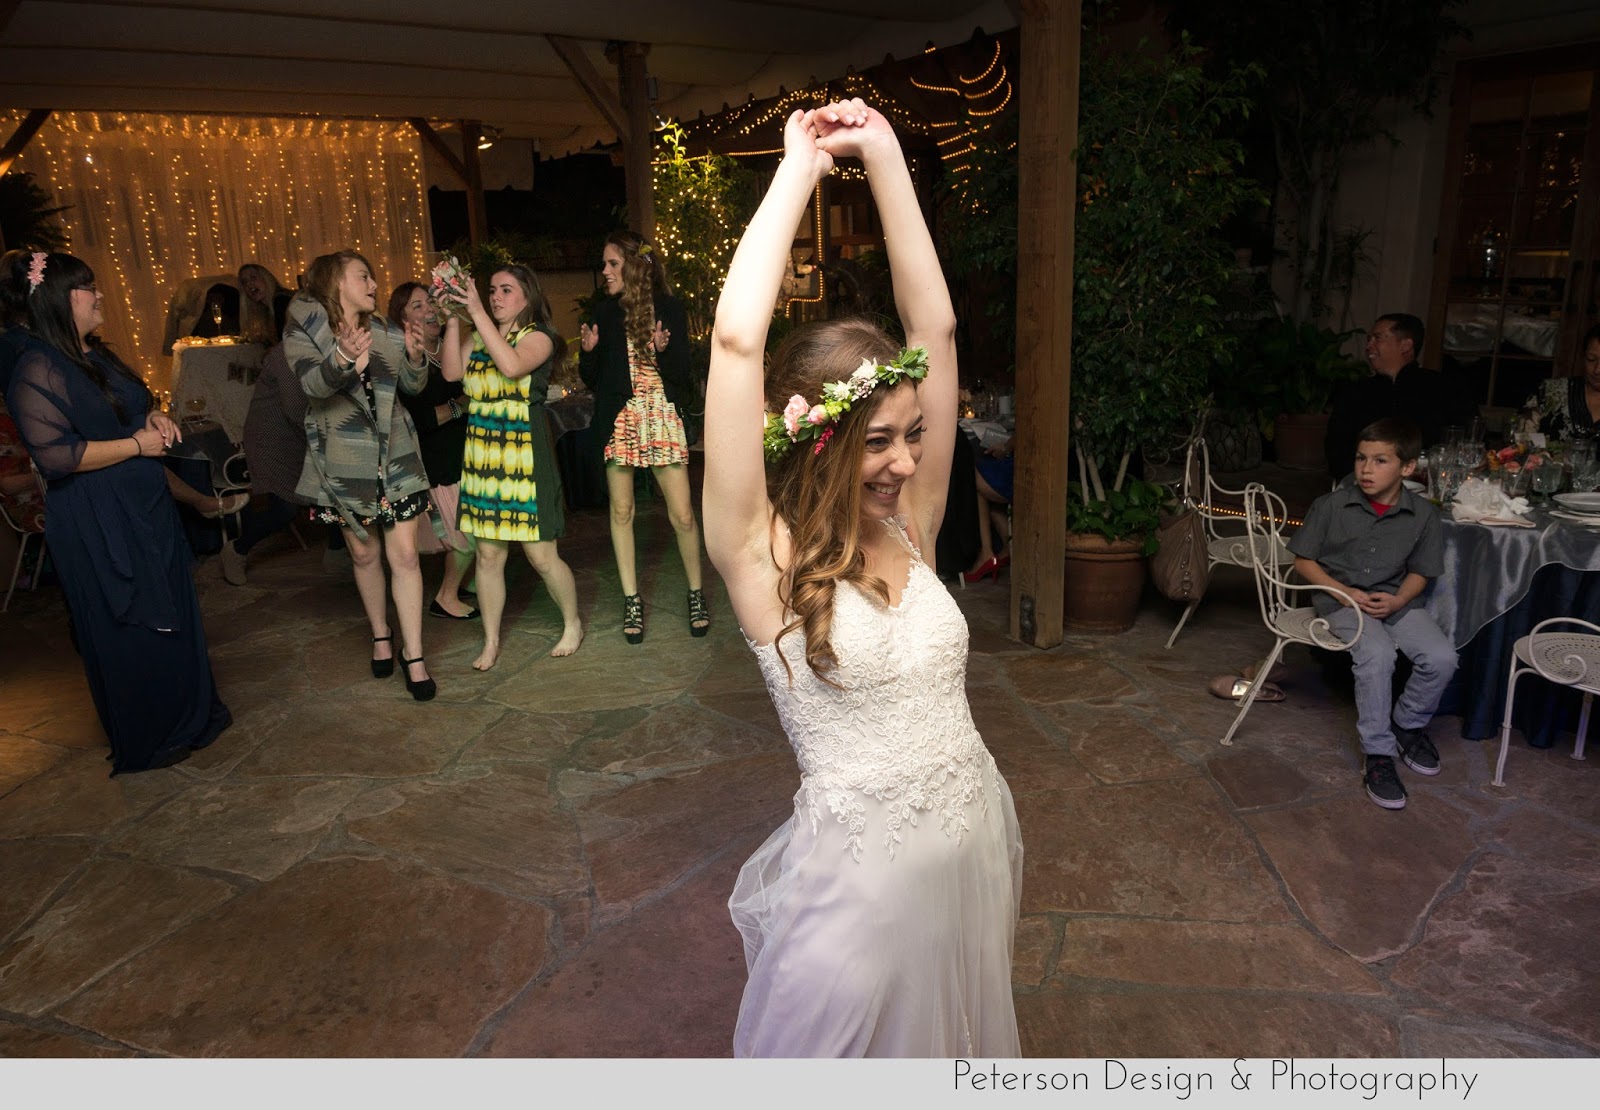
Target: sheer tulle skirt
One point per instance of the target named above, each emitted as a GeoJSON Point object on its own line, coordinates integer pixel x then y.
{"type": "Point", "coordinates": [901, 957]}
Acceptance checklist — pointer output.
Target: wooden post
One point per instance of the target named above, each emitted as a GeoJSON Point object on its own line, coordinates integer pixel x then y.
{"type": "Point", "coordinates": [1051, 37]}
{"type": "Point", "coordinates": [637, 147]}
{"type": "Point", "coordinates": [477, 211]}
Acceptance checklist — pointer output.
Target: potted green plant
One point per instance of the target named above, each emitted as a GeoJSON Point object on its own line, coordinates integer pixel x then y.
{"type": "Point", "coordinates": [1158, 175]}
{"type": "Point", "coordinates": [1305, 364]}
{"type": "Point", "coordinates": [1108, 541]}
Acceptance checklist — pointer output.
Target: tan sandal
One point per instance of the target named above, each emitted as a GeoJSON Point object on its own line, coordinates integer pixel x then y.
{"type": "Point", "coordinates": [1234, 688]}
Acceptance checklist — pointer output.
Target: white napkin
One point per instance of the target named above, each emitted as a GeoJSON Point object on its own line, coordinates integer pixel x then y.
{"type": "Point", "coordinates": [1484, 502]}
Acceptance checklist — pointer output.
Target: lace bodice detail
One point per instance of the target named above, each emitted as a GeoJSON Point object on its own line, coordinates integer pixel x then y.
{"type": "Point", "coordinates": [899, 732]}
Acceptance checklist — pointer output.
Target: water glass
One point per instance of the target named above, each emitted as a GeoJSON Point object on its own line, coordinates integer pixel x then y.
{"type": "Point", "coordinates": [1447, 478]}
{"type": "Point", "coordinates": [1547, 478]}
{"type": "Point", "coordinates": [1515, 483]}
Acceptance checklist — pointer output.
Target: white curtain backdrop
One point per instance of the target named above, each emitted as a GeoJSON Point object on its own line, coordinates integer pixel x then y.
{"type": "Point", "coordinates": [157, 200]}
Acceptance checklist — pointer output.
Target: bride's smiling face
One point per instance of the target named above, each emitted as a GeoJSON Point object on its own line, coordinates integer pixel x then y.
{"type": "Point", "coordinates": [893, 450]}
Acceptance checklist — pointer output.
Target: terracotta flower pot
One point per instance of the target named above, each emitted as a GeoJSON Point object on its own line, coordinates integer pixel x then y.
{"type": "Point", "coordinates": [1104, 581]}
{"type": "Point", "coordinates": [1299, 438]}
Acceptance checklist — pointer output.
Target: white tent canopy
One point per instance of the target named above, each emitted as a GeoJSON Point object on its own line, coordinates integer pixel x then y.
{"type": "Point", "coordinates": [487, 60]}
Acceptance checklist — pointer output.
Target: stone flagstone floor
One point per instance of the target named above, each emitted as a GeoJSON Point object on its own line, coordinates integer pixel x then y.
{"type": "Point", "coordinates": [537, 863]}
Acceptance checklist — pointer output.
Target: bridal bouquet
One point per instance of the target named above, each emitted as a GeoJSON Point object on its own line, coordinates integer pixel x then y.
{"type": "Point", "coordinates": [449, 287]}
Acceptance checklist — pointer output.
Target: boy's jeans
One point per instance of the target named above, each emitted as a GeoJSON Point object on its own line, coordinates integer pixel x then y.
{"type": "Point", "coordinates": [1433, 662]}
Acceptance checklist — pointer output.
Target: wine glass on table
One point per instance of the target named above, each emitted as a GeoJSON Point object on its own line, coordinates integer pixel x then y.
{"type": "Point", "coordinates": [1546, 477]}
{"type": "Point", "coordinates": [216, 316]}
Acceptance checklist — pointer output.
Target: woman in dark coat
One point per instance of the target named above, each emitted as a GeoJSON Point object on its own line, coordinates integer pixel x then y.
{"type": "Point", "coordinates": [636, 360]}
{"type": "Point", "coordinates": [439, 412]}
{"type": "Point", "coordinates": [111, 525]}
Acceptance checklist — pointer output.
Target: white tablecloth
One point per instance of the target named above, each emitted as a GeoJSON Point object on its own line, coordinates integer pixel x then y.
{"type": "Point", "coordinates": [218, 378]}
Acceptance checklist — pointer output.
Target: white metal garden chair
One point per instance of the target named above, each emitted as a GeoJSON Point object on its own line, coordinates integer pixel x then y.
{"type": "Point", "coordinates": [1225, 531]}
{"type": "Point", "coordinates": [24, 535]}
{"type": "Point", "coordinates": [1568, 658]}
{"type": "Point", "coordinates": [1264, 515]}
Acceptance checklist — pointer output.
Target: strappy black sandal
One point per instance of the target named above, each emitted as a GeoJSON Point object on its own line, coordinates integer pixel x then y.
{"type": "Point", "coordinates": [633, 618]}
{"type": "Point", "coordinates": [423, 690]}
{"type": "Point", "coordinates": [383, 668]}
{"type": "Point", "coordinates": [699, 615]}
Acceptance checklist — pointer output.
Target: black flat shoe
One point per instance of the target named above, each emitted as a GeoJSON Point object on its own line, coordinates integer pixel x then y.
{"type": "Point", "coordinates": [383, 668]}
{"type": "Point", "coordinates": [423, 690]}
{"type": "Point", "coordinates": [437, 610]}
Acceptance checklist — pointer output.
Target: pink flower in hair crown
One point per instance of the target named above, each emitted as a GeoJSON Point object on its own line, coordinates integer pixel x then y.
{"type": "Point", "coordinates": [36, 270]}
{"type": "Point", "coordinates": [796, 410]}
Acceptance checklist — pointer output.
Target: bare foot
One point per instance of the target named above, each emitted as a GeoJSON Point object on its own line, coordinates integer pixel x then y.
{"type": "Point", "coordinates": [571, 637]}
{"type": "Point", "coordinates": [491, 652]}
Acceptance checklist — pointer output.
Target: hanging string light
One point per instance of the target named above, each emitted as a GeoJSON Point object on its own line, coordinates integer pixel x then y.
{"type": "Point", "coordinates": [154, 200]}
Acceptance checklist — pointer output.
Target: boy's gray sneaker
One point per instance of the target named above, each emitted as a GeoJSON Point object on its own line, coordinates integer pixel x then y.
{"type": "Point", "coordinates": [1417, 750]}
{"type": "Point", "coordinates": [1383, 784]}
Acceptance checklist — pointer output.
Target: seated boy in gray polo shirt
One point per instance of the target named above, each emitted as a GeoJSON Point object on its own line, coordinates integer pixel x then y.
{"type": "Point", "coordinates": [1379, 543]}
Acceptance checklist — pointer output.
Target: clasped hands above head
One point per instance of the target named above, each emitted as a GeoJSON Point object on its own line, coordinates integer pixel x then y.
{"type": "Point", "coordinates": [842, 129]}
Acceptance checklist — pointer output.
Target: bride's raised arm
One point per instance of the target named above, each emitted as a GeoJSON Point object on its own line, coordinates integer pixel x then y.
{"type": "Point", "coordinates": [920, 293]}
{"type": "Point", "coordinates": [734, 500]}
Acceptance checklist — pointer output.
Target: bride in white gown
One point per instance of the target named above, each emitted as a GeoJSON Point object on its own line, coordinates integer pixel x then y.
{"type": "Point", "coordinates": [878, 920]}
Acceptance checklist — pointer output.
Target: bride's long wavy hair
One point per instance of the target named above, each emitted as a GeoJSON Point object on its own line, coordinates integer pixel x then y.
{"type": "Point", "coordinates": [818, 493]}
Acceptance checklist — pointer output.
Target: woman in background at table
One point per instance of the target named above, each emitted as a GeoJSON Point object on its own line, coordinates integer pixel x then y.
{"type": "Point", "coordinates": [636, 360]}
{"type": "Point", "coordinates": [362, 469]}
{"type": "Point", "coordinates": [111, 526]}
{"type": "Point", "coordinates": [440, 414]}
{"type": "Point", "coordinates": [510, 487]}
{"type": "Point", "coordinates": [265, 307]}
{"type": "Point", "coordinates": [1571, 406]}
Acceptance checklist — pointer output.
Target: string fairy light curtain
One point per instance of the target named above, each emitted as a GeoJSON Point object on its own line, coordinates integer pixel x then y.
{"type": "Point", "coordinates": [156, 200]}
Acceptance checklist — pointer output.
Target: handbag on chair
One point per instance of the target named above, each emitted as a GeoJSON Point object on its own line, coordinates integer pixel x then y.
{"type": "Point", "coordinates": [1181, 568]}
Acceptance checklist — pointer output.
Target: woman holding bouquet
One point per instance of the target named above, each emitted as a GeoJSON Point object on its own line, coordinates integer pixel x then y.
{"type": "Point", "coordinates": [510, 487]}
{"type": "Point", "coordinates": [362, 468]}
{"type": "Point", "coordinates": [636, 359]}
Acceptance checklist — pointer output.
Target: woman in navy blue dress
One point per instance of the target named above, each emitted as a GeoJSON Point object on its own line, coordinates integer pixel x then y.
{"type": "Point", "coordinates": [111, 525]}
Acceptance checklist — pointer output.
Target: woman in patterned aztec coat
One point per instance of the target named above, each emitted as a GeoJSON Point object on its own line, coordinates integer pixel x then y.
{"type": "Point", "coordinates": [362, 468]}
{"type": "Point", "coordinates": [878, 920]}
{"type": "Point", "coordinates": [636, 359]}
{"type": "Point", "coordinates": [510, 487]}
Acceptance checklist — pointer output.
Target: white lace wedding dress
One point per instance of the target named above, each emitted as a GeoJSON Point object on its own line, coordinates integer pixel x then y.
{"type": "Point", "coordinates": [878, 920]}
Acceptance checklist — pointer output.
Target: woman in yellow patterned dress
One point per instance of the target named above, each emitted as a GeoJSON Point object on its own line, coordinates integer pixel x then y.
{"type": "Point", "coordinates": [636, 359]}
{"type": "Point", "coordinates": [510, 487]}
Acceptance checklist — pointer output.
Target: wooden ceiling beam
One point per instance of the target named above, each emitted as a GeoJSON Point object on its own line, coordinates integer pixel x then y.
{"type": "Point", "coordinates": [26, 130]}
{"type": "Point", "coordinates": [610, 108]}
{"type": "Point", "coordinates": [440, 147]}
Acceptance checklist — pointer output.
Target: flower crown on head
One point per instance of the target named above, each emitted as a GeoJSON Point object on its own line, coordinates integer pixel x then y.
{"type": "Point", "coordinates": [36, 270]}
{"type": "Point", "coordinates": [801, 420]}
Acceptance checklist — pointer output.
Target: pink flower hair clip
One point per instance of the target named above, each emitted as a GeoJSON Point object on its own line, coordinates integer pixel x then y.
{"type": "Point", "coordinates": [36, 271]}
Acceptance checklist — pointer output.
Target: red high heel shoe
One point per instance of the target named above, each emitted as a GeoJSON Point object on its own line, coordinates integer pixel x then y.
{"type": "Point", "coordinates": [989, 568]}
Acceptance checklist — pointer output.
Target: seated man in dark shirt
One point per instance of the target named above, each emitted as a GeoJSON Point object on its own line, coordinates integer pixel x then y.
{"type": "Point", "coordinates": [1398, 389]}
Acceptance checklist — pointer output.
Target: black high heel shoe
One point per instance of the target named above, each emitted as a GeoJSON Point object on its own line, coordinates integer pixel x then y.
{"type": "Point", "coordinates": [421, 690]}
{"type": "Point", "coordinates": [383, 668]}
{"type": "Point", "coordinates": [699, 615]}
{"type": "Point", "coordinates": [633, 618]}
